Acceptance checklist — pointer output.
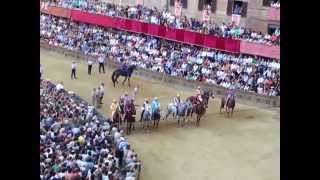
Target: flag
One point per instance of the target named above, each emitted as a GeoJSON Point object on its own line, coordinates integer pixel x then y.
{"type": "Point", "coordinates": [177, 8]}
{"type": "Point", "coordinates": [235, 18]}
{"type": "Point", "coordinates": [139, 2]}
{"type": "Point", "coordinates": [206, 13]}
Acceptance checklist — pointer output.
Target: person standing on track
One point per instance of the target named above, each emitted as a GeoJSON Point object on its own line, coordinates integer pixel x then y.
{"type": "Point", "coordinates": [90, 62]}
{"type": "Point", "coordinates": [101, 61]}
{"type": "Point", "coordinates": [41, 70]}
{"type": "Point", "coordinates": [101, 92]}
{"type": "Point", "coordinates": [93, 96]}
{"type": "Point", "coordinates": [73, 70]}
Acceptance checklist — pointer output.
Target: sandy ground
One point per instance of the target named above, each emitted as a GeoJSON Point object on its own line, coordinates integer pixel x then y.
{"type": "Point", "coordinates": [246, 147]}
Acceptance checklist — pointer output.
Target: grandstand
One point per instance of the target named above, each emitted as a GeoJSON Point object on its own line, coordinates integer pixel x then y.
{"type": "Point", "coordinates": [175, 50]}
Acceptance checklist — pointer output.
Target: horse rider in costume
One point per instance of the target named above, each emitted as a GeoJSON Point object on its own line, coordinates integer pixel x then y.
{"type": "Point", "coordinates": [230, 93]}
{"type": "Point", "coordinates": [125, 67]}
{"type": "Point", "coordinates": [143, 108]}
{"type": "Point", "coordinates": [199, 93]}
{"type": "Point", "coordinates": [176, 100]}
{"type": "Point", "coordinates": [155, 105]}
{"type": "Point", "coordinates": [113, 108]}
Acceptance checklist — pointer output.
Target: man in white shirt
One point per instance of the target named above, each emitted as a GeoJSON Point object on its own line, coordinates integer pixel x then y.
{"type": "Point", "coordinates": [73, 70]}
{"type": "Point", "coordinates": [59, 86]}
{"type": "Point", "coordinates": [41, 70]}
{"type": "Point", "coordinates": [90, 62]}
{"type": "Point", "coordinates": [101, 64]}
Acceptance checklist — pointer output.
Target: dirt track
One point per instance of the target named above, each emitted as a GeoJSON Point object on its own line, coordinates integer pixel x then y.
{"type": "Point", "coordinates": [246, 147]}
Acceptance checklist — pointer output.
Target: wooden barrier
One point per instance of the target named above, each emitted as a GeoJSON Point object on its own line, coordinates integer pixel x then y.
{"type": "Point", "coordinates": [244, 97]}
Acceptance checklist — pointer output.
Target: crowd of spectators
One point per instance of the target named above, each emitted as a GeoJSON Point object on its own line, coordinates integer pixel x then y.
{"type": "Point", "coordinates": [163, 17]}
{"type": "Point", "coordinates": [275, 4]}
{"type": "Point", "coordinates": [76, 143]}
{"type": "Point", "coordinates": [249, 73]}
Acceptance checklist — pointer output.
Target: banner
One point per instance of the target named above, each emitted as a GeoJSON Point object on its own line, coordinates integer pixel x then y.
{"type": "Point", "coordinates": [273, 14]}
{"type": "Point", "coordinates": [180, 35]}
{"type": "Point", "coordinates": [139, 2]}
{"type": "Point", "coordinates": [235, 18]}
{"type": "Point", "coordinates": [260, 49]}
{"type": "Point", "coordinates": [56, 11]}
{"type": "Point", "coordinates": [177, 8]}
{"type": "Point", "coordinates": [206, 13]}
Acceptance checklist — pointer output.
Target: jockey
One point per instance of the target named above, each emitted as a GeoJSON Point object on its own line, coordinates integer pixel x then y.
{"type": "Point", "coordinates": [113, 108]}
{"type": "Point", "coordinates": [125, 68]}
{"type": "Point", "coordinates": [126, 98]}
{"type": "Point", "coordinates": [230, 93]}
{"type": "Point", "coordinates": [176, 100]}
{"type": "Point", "coordinates": [155, 105]}
{"type": "Point", "coordinates": [143, 108]}
{"type": "Point", "coordinates": [147, 107]}
{"type": "Point", "coordinates": [199, 94]}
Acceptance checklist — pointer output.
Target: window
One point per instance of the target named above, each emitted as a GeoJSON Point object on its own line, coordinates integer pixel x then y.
{"type": "Point", "coordinates": [237, 7]}
{"type": "Point", "coordinates": [203, 3]}
{"type": "Point", "coordinates": [183, 2]}
{"type": "Point", "coordinates": [272, 28]}
{"type": "Point", "coordinates": [268, 2]}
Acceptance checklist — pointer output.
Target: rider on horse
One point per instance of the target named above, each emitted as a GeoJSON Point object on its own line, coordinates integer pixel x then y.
{"type": "Point", "coordinates": [230, 93]}
{"type": "Point", "coordinates": [125, 68]}
{"type": "Point", "coordinates": [143, 108]}
{"type": "Point", "coordinates": [155, 105]}
{"type": "Point", "coordinates": [176, 100]}
{"type": "Point", "coordinates": [113, 108]}
{"type": "Point", "coordinates": [199, 93]}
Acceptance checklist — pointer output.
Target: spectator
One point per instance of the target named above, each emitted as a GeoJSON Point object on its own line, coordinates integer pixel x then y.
{"type": "Point", "coordinates": [82, 147]}
{"type": "Point", "coordinates": [192, 63]}
{"type": "Point", "coordinates": [157, 16]}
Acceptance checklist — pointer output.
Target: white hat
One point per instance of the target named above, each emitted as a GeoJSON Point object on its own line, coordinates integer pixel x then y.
{"type": "Point", "coordinates": [122, 138]}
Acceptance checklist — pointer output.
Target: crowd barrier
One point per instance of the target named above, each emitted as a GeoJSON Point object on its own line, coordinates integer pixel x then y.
{"type": "Point", "coordinates": [245, 97]}
{"type": "Point", "coordinates": [178, 35]}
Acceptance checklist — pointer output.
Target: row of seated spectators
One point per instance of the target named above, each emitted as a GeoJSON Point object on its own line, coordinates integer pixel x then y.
{"type": "Point", "coordinates": [163, 17]}
{"type": "Point", "coordinates": [76, 143]}
{"type": "Point", "coordinates": [248, 73]}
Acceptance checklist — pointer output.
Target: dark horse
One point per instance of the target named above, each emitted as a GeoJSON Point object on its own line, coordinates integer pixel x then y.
{"type": "Point", "coordinates": [230, 104]}
{"type": "Point", "coordinates": [129, 117]}
{"type": "Point", "coordinates": [120, 72]}
{"type": "Point", "coordinates": [200, 110]}
{"type": "Point", "coordinates": [117, 118]}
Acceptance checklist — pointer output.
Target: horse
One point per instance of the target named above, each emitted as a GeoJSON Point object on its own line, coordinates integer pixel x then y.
{"type": "Point", "coordinates": [229, 105]}
{"type": "Point", "coordinates": [119, 72]}
{"type": "Point", "coordinates": [200, 110]}
{"type": "Point", "coordinates": [146, 118]}
{"type": "Point", "coordinates": [182, 111]}
{"type": "Point", "coordinates": [178, 112]}
{"type": "Point", "coordinates": [206, 96]}
{"type": "Point", "coordinates": [197, 107]}
{"type": "Point", "coordinates": [171, 109]}
{"type": "Point", "coordinates": [129, 116]}
{"type": "Point", "coordinates": [155, 116]}
{"type": "Point", "coordinates": [116, 119]}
